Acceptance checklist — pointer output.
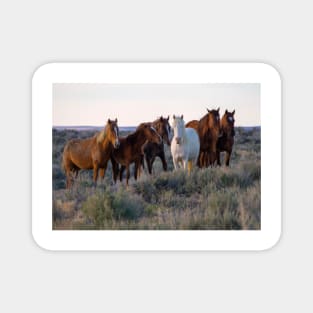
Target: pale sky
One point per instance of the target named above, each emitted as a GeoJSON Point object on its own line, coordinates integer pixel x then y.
{"type": "Point", "coordinates": [131, 104]}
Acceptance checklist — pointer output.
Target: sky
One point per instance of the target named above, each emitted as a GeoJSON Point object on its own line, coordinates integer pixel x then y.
{"type": "Point", "coordinates": [92, 104]}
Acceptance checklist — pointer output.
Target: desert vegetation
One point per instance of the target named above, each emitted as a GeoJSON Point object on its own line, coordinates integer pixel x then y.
{"type": "Point", "coordinates": [214, 198]}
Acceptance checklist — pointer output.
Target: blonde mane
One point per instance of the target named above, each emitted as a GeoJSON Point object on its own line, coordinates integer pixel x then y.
{"type": "Point", "coordinates": [101, 136]}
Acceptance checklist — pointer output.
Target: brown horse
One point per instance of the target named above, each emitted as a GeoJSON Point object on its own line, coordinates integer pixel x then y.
{"type": "Point", "coordinates": [226, 140]}
{"type": "Point", "coordinates": [208, 128]}
{"type": "Point", "coordinates": [130, 149]}
{"type": "Point", "coordinates": [152, 150]}
{"type": "Point", "coordinates": [91, 153]}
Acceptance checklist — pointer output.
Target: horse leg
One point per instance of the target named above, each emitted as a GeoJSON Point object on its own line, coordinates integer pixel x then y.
{"type": "Point", "coordinates": [121, 172]}
{"type": "Point", "coordinates": [175, 164]}
{"type": "Point", "coordinates": [204, 160]}
{"type": "Point", "coordinates": [136, 172]}
{"type": "Point", "coordinates": [103, 170]}
{"type": "Point", "coordinates": [139, 167]}
{"type": "Point", "coordinates": [148, 160]}
{"type": "Point", "coordinates": [228, 154]}
{"type": "Point", "coordinates": [201, 159]}
{"type": "Point", "coordinates": [209, 159]}
{"type": "Point", "coordinates": [218, 157]}
{"type": "Point", "coordinates": [151, 163]}
{"type": "Point", "coordinates": [69, 180]}
{"type": "Point", "coordinates": [101, 173]}
{"type": "Point", "coordinates": [198, 160]}
{"type": "Point", "coordinates": [189, 166]}
{"type": "Point", "coordinates": [114, 169]}
{"type": "Point", "coordinates": [142, 161]}
{"type": "Point", "coordinates": [127, 174]}
{"type": "Point", "coordinates": [95, 172]}
{"type": "Point", "coordinates": [164, 163]}
{"type": "Point", "coordinates": [75, 170]}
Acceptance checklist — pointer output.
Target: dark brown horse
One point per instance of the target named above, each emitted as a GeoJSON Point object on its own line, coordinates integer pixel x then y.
{"type": "Point", "coordinates": [208, 128]}
{"type": "Point", "coordinates": [152, 150]}
{"type": "Point", "coordinates": [91, 153]}
{"type": "Point", "coordinates": [130, 149]}
{"type": "Point", "coordinates": [226, 140]}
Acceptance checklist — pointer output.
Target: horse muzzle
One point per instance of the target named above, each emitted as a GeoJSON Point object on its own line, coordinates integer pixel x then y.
{"type": "Point", "coordinates": [178, 140]}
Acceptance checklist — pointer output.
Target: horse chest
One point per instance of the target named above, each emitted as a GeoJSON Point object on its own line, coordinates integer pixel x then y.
{"type": "Point", "coordinates": [101, 155]}
{"type": "Point", "coordinates": [180, 151]}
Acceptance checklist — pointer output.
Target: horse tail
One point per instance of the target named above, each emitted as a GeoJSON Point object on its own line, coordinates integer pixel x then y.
{"type": "Point", "coordinates": [63, 163]}
{"type": "Point", "coordinates": [64, 157]}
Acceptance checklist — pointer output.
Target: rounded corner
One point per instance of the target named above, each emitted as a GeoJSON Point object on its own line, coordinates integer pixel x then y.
{"type": "Point", "coordinates": [39, 244]}
{"type": "Point", "coordinates": [273, 244]}
{"type": "Point", "coordinates": [41, 69]}
{"type": "Point", "coordinates": [272, 70]}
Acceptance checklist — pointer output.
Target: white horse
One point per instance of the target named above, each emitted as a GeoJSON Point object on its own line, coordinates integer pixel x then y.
{"type": "Point", "coordinates": [185, 145]}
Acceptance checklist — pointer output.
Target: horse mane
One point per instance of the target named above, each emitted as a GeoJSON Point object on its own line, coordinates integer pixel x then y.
{"type": "Point", "coordinates": [100, 136]}
{"type": "Point", "coordinates": [141, 125]}
{"type": "Point", "coordinates": [204, 124]}
{"type": "Point", "coordinates": [133, 136]}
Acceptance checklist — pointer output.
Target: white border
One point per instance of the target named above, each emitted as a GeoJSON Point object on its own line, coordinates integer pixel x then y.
{"type": "Point", "coordinates": [155, 73]}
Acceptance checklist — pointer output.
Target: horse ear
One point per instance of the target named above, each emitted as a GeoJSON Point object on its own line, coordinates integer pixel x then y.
{"type": "Point", "coordinates": [161, 118]}
{"type": "Point", "coordinates": [182, 117]}
{"type": "Point", "coordinates": [233, 112]}
{"type": "Point", "coordinates": [218, 110]}
{"type": "Point", "coordinates": [226, 111]}
{"type": "Point", "coordinates": [174, 116]}
{"type": "Point", "coordinates": [115, 120]}
{"type": "Point", "coordinates": [109, 121]}
{"type": "Point", "coordinates": [168, 117]}
{"type": "Point", "coordinates": [209, 111]}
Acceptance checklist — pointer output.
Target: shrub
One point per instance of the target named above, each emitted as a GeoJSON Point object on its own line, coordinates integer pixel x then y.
{"type": "Point", "coordinates": [106, 207]}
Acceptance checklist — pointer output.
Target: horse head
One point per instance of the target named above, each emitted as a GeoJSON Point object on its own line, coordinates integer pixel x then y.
{"type": "Point", "coordinates": [163, 128]}
{"type": "Point", "coordinates": [179, 128]}
{"type": "Point", "coordinates": [214, 119]}
{"type": "Point", "coordinates": [228, 123]}
{"type": "Point", "coordinates": [112, 132]}
{"type": "Point", "coordinates": [151, 134]}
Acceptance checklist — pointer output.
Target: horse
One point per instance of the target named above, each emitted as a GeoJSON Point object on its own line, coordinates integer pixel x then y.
{"type": "Point", "coordinates": [185, 145]}
{"type": "Point", "coordinates": [91, 153]}
{"type": "Point", "coordinates": [226, 140]}
{"type": "Point", "coordinates": [130, 149]}
{"type": "Point", "coordinates": [208, 129]}
{"type": "Point", "coordinates": [152, 150]}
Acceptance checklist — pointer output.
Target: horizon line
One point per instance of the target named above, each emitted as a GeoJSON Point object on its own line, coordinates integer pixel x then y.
{"type": "Point", "coordinates": [101, 126]}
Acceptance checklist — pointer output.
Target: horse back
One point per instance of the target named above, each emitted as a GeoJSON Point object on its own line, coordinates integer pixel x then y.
{"type": "Point", "coordinates": [193, 124]}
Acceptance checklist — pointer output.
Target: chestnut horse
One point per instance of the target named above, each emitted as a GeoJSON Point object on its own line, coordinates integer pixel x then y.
{"type": "Point", "coordinates": [130, 149]}
{"type": "Point", "coordinates": [152, 150]}
{"type": "Point", "coordinates": [91, 153]}
{"type": "Point", "coordinates": [208, 128]}
{"type": "Point", "coordinates": [226, 141]}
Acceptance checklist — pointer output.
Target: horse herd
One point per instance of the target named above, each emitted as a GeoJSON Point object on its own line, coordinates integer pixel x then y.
{"type": "Point", "coordinates": [197, 142]}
